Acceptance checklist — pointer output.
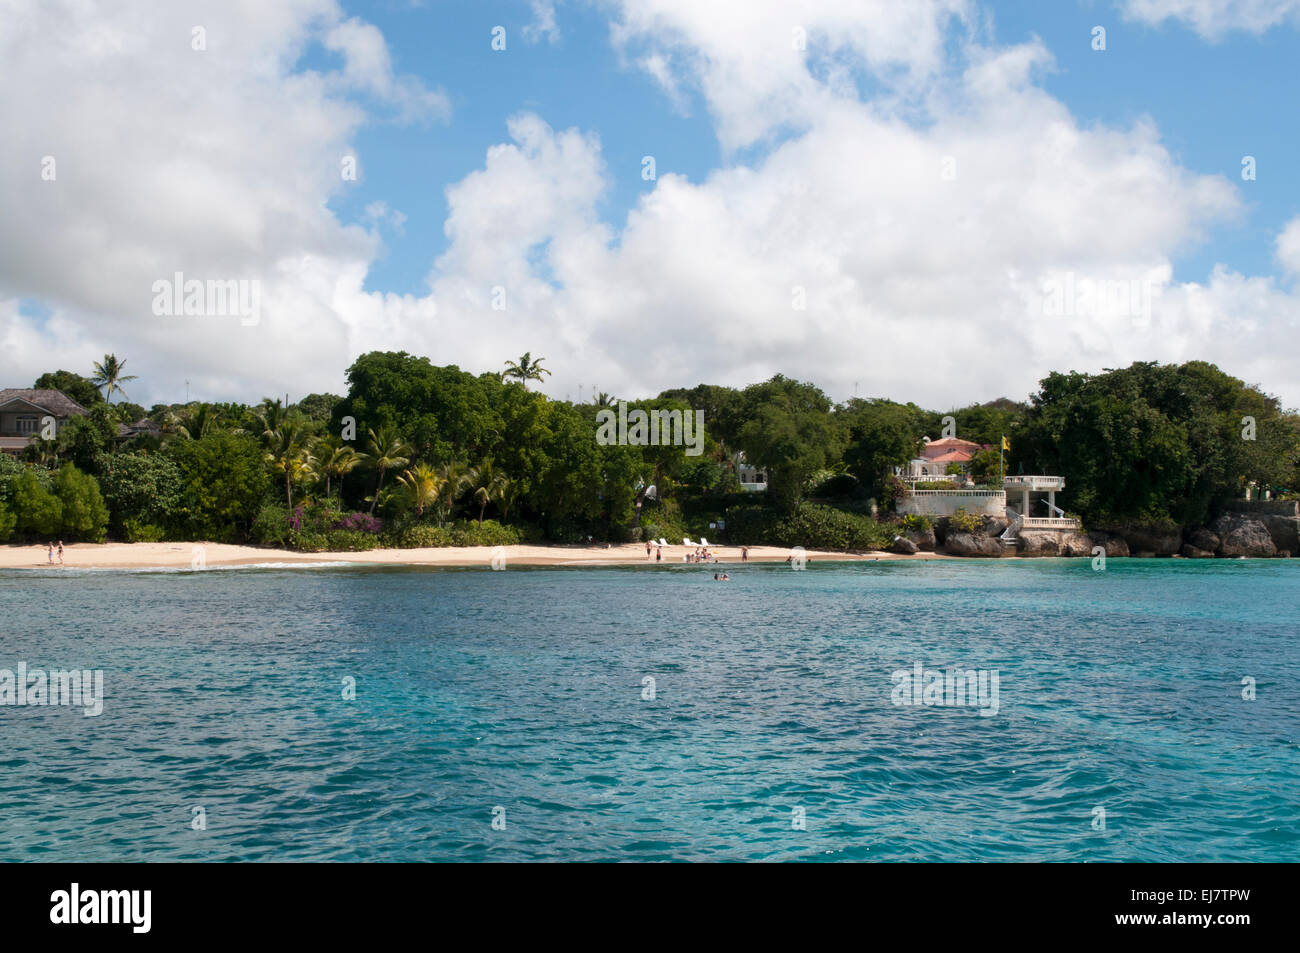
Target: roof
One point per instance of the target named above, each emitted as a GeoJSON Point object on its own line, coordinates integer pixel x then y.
{"type": "Point", "coordinates": [952, 456]}
{"type": "Point", "coordinates": [55, 401]}
{"type": "Point", "coordinates": [936, 449]}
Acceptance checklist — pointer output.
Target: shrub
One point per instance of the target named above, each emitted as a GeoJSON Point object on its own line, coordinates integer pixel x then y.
{"type": "Point", "coordinates": [491, 533]}
{"type": "Point", "coordinates": [84, 516]}
{"type": "Point", "coordinates": [917, 523]}
{"type": "Point", "coordinates": [423, 536]}
{"type": "Point", "coordinates": [965, 522]}
{"type": "Point", "coordinates": [135, 531]}
{"type": "Point", "coordinates": [351, 541]}
{"type": "Point", "coordinates": [271, 526]}
{"type": "Point", "coordinates": [7, 523]}
{"type": "Point", "coordinates": [39, 512]}
{"type": "Point", "coordinates": [811, 525]}
{"type": "Point", "coordinates": [360, 523]}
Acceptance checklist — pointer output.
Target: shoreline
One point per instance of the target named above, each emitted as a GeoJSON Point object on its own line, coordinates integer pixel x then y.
{"type": "Point", "coordinates": [182, 556]}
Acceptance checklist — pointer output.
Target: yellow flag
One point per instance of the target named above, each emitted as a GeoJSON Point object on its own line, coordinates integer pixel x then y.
{"type": "Point", "coordinates": [1006, 444]}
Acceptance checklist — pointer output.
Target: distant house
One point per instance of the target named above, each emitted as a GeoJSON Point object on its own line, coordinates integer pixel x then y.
{"type": "Point", "coordinates": [142, 427]}
{"type": "Point", "coordinates": [25, 412]}
{"type": "Point", "coordinates": [752, 478]}
{"type": "Point", "coordinates": [937, 455]}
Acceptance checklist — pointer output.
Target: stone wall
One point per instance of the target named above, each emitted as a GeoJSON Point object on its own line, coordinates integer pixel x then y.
{"type": "Point", "coordinates": [939, 503]}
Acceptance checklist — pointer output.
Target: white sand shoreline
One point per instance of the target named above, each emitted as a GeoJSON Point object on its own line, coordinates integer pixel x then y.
{"type": "Point", "coordinates": [214, 555]}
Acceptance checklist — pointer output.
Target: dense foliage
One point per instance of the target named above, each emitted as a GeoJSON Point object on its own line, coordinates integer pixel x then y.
{"type": "Point", "coordinates": [414, 454]}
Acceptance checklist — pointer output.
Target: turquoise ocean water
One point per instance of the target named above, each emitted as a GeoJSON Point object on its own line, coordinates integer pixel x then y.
{"type": "Point", "coordinates": [518, 695]}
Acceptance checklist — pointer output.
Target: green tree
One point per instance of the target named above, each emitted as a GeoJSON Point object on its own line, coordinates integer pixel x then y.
{"type": "Point", "coordinates": [109, 375]}
{"type": "Point", "coordinates": [194, 422]}
{"type": "Point", "coordinates": [84, 515]}
{"type": "Point", "coordinates": [82, 439]}
{"type": "Point", "coordinates": [39, 512]}
{"type": "Point", "coordinates": [526, 369]}
{"type": "Point", "coordinates": [485, 485]}
{"type": "Point", "coordinates": [790, 433]}
{"type": "Point", "coordinates": [336, 461]}
{"type": "Point", "coordinates": [882, 435]}
{"type": "Point", "coordinates": [224, 480]}
{"type": "Point", "coordinates": [79, 388]}
{"type": "Point", "coordinates": [1151, 442]}
{"type": "Point", "coordinates": [424, 485]}
{"type": "Point", "coordinates": [289, 455]}
{"type": "Point", "coordinates": [386, 452]}
{"type": "Point", "coordinates": [139, 487]}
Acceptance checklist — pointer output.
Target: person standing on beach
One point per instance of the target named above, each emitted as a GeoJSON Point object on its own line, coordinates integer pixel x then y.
{"type": "Point", "coordinates": [51, 554]}
{"type": "Point", "coordinates": [60, 552]}
{"type": "Point", "coordinates": [744, 554]}
{"type": "Point", "coordinates": [659, 554]}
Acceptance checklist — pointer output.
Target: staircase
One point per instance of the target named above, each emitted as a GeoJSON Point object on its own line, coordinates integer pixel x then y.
{"type": "Point", "coordinates": [1009, 535]}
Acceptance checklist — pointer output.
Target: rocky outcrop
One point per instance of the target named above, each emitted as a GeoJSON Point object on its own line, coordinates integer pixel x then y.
{"type": "Point", "coordinates": [1149, 540]}
{"type": "Point", "coordinates": [923, 538]}
{"type": "Point", "coordinates": [1076, 545]}
{"type": "Point", "coordinates": [994, 526]}
{"type": "Point", "coordinates": [1283, 530]}
{"type": "Point", "coordinates": [904, 546]}
{"type": "Point", "coordinates": [1242, 535]}
{"type": "Point", "coordinates": [971, 544]}
{"type": "Point", "coordinates": [1113, 545]}
{"type": "Point", "coordinates": [1193, 552]}
{"type": "Point", "coordinates": [1205, 540]}
{"type": "Point", "coordinates": [1034, 543]}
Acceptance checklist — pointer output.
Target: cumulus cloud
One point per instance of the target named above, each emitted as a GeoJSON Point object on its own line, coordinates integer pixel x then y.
{"type": "Point", "coordinates": [142, 141]}
{"type": "Point", "coordinates": [914, 213]}
{"type": "Point", "coordinates": [1214, 18]}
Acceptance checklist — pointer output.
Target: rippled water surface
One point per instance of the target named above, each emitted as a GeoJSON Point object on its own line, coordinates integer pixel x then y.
{"type": "Point", "coordinates": [522, 690]}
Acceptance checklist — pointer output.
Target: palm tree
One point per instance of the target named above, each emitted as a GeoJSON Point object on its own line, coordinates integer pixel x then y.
{"type": "Point", "coordinates": [108, 375]}
{"type": "Point", "coordinates": [288, 454]}
{"type": "Point", "coordinates": [511, 492]}
{"type": "Point", "coordinates": [270, 415]}
{"type": "Point", "coordinates": [425, 485]}
{"type": "Point", "coordinates": [336, 460]}
{"type": "Point", "coordinates": [486, 485]}
{"type": "Point", "coordinates": [605, 400]}
{"type": "Point", "coordinates": [454, 480]}
{"type": "Point", "coordinates": [195, 421]}
{"type": "Point", "coordinates": [386, 452]}
{"type": "Point", "coordinates": [526, 369]}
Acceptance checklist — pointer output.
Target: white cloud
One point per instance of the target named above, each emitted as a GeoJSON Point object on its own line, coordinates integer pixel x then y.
{"type": "Point", "coordinates": [926, 225]}
{"type": "Point", "coordinates": [543, 25]}
{"type": "Point", "coordinates": [216, 163]}
{"type": "Point", "coordinates": [1214, 18]}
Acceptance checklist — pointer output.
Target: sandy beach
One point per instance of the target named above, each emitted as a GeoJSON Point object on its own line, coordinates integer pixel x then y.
{"type": "Point", "coordinates": [188, 555]}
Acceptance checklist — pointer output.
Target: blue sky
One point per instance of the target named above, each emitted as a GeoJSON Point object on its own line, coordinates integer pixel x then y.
{"type": "Point", "coordinates": [1213, 102]}
{"type": "Point", "coordinates": [893, 208]}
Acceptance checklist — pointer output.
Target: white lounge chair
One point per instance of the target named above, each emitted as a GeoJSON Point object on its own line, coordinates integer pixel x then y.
{"type": "Point", "coordinates": [703, 541]}
{"type": "Point", "coordinates": [686, 541]}
{"type": "Point", "coordinates": [662, 541]}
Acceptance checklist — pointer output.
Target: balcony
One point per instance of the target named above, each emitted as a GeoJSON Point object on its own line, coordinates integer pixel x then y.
{"type": "Point", "coordinates": [1034, 482]}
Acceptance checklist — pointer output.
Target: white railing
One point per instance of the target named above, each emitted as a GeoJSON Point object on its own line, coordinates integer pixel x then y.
{"type": "Point", "coordinates": [1049, 522]}
{"type": "Point", "coordinates": [754, 487]}
{"type": "Point", "coordinates": [980, 493]}
{"type": "Point", "coordinates": [1034, 482]}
